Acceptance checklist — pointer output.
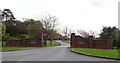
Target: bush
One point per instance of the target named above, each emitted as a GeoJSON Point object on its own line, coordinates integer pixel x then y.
{"type": "Point", "coordinates": [5, 36]}
{"type": "Point", "coordinates": [15, 38]}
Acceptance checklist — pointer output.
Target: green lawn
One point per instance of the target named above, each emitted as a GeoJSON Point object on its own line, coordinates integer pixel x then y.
{"type": "Point", "coordinates": [14, 48]}
{"type": "Point", "coordinates": [54, 43]}
{"type": "Point", "coordinates": [66, 41]}
{"type": "Point", "coordinates": [113, 53]}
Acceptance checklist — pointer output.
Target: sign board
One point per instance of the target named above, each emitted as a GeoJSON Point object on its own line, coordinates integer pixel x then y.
{"type": "Point", "coordinates": [33, 43]}
{"type": "Point", "coordinates": [81, 42]}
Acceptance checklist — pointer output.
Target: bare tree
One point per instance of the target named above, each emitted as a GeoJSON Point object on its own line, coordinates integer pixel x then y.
{"type": "Point", "coordinates": [67, 31]}
{"type": "Point", "coordinates": [86, 34]}
{"type": "Point", "coordinates": [54, 22]}
{"type": "Point", "coordinates": [83, 33]}
{"type": "Point", "coordinates": [92, 33]}
{"type": "Point", "coordinates": [50, 22]}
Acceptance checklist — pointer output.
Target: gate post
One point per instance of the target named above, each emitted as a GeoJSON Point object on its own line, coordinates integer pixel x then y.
{"type": "Point", "coordinates": [72, 40]}
{"type": "Point", "coordinates": [6, 42]}
{"type": "Point", "coordinates": [91, 45]}
{"type": "Point", "coordinates": [40, 40]}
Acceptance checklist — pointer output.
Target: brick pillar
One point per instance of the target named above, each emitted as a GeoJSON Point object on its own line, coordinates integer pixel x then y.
{"type": "Point", "coordinates": [72, 40]}
{"type": "Point", "coordinates": [91, 45]}
{"type": "Point", "coordinates": [109, 43]}
{"type": "Point", "coordinates": [7, 42]}
{"type": "Point", "coordinates": [24, 42]}
{"type": "Point", "coordinates": [40, 41]}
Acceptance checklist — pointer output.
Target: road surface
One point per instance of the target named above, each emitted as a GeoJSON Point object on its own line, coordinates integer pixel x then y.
{"type": "Point", "coordinates": [58, 53]}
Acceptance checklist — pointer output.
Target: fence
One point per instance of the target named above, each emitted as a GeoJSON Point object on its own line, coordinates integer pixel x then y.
{"type": "Point", "coordinates": [90, 42]}
{"type": "Point", "coordinates": [36, 41]}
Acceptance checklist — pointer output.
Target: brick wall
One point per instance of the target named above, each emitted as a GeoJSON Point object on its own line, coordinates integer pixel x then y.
{"type": "Point", "coordinates": [91, 42]}
{"type": "Point", "coordinates": [36, 41]}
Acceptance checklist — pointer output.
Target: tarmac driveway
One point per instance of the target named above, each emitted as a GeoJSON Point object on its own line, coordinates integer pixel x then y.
{"type": "Point", "coordinates": [58, 53]}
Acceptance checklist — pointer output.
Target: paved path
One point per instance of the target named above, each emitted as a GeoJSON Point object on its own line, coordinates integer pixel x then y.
{"type": "Point", "coordinates": [63, 44]}
{"type": "Point", "coordinates": [59, 53]}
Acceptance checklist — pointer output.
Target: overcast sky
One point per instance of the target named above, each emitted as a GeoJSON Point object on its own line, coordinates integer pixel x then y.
{"type": "Point", "coordinates": [75, 14]}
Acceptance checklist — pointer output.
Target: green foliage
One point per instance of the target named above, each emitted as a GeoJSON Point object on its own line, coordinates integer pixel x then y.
{"type": "Point", "coordinates": [33, 27]}
{"type": "Point", "coordinates": [0, 29]}
{"type": "Point", "coordinates": [4, 43]}
{"type": "Point", "coordinates": [5, 36]}
{"type": "Point", "coordinates": [10, 37]}
{"type": "Point", "coordinates": [116, 39]}
{"type": "Point", "coordinates": [15, 29]}
{"type": "Point", "coordinates": [3, 32]}
{"type": "Point", "coordinates": [118, 35]}
{"type": "Point", "coordinates": [112, 32]}
{"type": "Point", "coordinates": [14, 38]}
{"type": "Point", "coordinates": [52, 43]}
{"type": "Point", "coordinates": [26, 35]}
{"type": "Point", "coordinates": [29, 28]}
{"type": "Point", "coordinates": [107, 32]}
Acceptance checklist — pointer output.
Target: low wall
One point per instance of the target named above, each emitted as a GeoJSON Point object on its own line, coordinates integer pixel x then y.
{"type": "Point", "coordinates": [80, 42]}
{"type": "Point", "coordinates": [36, 41]}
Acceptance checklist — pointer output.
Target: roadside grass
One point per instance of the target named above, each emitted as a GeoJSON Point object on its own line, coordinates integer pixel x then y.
{"type": "Point", "coordinates": [113, 53]}
{"type": "Point", "coordinates": [54, 43]}
{"type": "Point", "coordinates": [12, 48]}
{"type": "Point", "coordinates": [15, 48]}
{"type": "Point", "coordinates": [66, 41]}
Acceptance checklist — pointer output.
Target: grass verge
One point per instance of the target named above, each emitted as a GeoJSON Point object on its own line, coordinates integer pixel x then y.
{"type": "Point", "coordinates": [112, 53]}
{"type": "Point", "coordinates": [52, 43]}
{"type": "Point", "coordinates": [14, 48]}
